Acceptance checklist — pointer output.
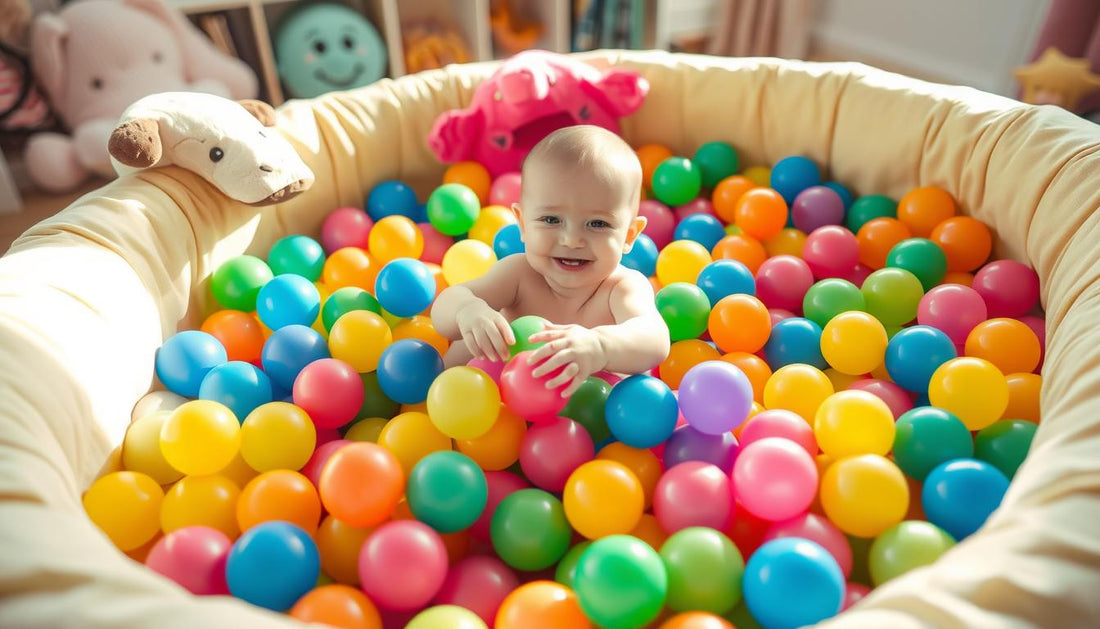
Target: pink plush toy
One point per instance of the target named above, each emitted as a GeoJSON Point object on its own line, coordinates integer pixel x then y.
{"type": "Point", "coordinates": [533, 94]}
{"type": "Point", "coordinates": [95, 57]}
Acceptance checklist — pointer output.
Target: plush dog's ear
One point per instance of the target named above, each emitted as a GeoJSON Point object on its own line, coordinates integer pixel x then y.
{"type": "Point", "coordinates": [136, 143]}
{"type": "Point", "coordinates": [260, 110]}
{"type": "Point", "coordinates": [49, 38]}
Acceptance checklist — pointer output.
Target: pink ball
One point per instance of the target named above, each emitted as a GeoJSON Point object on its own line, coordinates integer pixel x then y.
{"type": "Point", "coordinates": [858, 274]}
{"type": "Point", "coordinates": [551, 450]}
{"type": "Point", "coordinates": [435, 244]}
{"type": "Point", "coordinates": [692, 493]}
{"type": "Point", "coordinates": [330, 390]}
{"type": "Point", "coordinates": [402, 565]}
{"type": "Point", "coordinates": [952, 308]}
{"type": "Point", "coordinates": [817, 206]}
{"type": "Point", "coordinates": [478, 583]}
{"type": "Point", "coordinates": [816, 529]}
{"type": "Point", "coordinates": [506, 190]}
{"type": "Point", "coordinates": [897, 398]}
{"type": "Point", "coordinates": [700, 205]}
{"type": "Point", "coordinates": [526, 395]}
{"type": "Point", "coordinates": [608, 377]}
{"type": "Point", "coordinates": [345, 227]}
{"type": "Point", "coordinates": [661, 223]}
{"type": "Point", "coordinates": [1009, 288]}
{"type": "Point", "coordinates": [312, 468]}
{"type": "Point", "coordinates": [854, 594]}
{"type": "Point", "coordinates": [1038, 325]}
{"type": "Point", "coordinates": [830, 251]}
{"type": "Point", "coordinates": [501, 485]}
{"type": "Point", "coordinates": [782, 282]}
{"type": "Point", "coordinates": [775, 478]}
{"type": "Point", "coordinates": [778, 314]}
{"type": "Point", "coordinates": [782, 423]}
{"type": "Point", "coordinates": [491, 367]}
{"type": "Point", "coordinates": [194, 557]}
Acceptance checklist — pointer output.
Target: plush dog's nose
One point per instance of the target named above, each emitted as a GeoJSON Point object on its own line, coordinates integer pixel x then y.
{"type": "Point", "coordinates": [266, 168]}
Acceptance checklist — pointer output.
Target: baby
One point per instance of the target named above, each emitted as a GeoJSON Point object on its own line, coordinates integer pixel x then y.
{"type": "Point", "coordinates": [578, 215]}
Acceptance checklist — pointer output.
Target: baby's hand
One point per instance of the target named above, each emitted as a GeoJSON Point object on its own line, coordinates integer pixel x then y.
{"type": "Point", "coordinates": [577, 348]}
{"type": "Point", "coordinates": [485, 331]}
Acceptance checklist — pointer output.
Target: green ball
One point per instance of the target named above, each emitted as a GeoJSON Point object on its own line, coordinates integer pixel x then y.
{"type": "Point", "coordinates": [892, 295]}
{"type": "Point", "coordinates": [830, 297]}
{"type": "Point", "coordinates": [344, 300]}
{"type": "Point", "coordinates": [237, 281]}
{"type": "Point", "coordinates": [716, 161]}
{"type": "Point", "coordinates": [704, 570]}
{"type": "Point", "coordinates": [529, 530]}
{"type": "Point", "coordinates": [453, 208]}
{"type": "Point", "coordinates": [447, 491]}
{"type": "Point", "coordinates": [927, 436]}
{"type": "Point", "coordinates": [685, 309]}
{"type": "Point", "coordinates": [566, 572]}
{"type": "Point", "coordinates": [375, 401]}
{"type": "Point", "coordinates": [586, 407]}
{"type": "Point", "coordinates": [905, 546]}
{"type": "Point", "coordinates": [298, 255]}
{"type": "Point", "coordinates": [621, 582]}
{"type": "Point", "coordinates": [676, 181]}
{"type": "Point", "coordinates": [921, 257]}
{"type": "Point", "coordinates": [1004, 444]}
{"type": "Point", "coordinates": [868, 208]}
{"type": "Point", "coordinates": [523, 327]}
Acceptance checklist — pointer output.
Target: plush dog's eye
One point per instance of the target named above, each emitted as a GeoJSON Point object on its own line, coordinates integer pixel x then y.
{"type": "Point", "coordinates": [262, 134]}
{"type": "Point", "coordinates": [97, 83]}
{"type": "Point", "coordinates": [349, 43]}
{"type": "Point", "coordinates": [216, 154]}
{"type": "Point", "coordinates": [157, 57]}
{"type": "Point", "coordinates": [320, 47]}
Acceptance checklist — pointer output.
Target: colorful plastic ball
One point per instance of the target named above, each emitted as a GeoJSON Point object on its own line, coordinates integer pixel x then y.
{"type": "Point", "coordinates": [288, 350]}
{"type": "Point", "coordinates": [788, 569]}
{"type": "Point", "coordinates": [676, 181]}
{"type": "Point", "coordinates": [704, 229]}
{"type": "Point", "coordinates": [463, 402]}
{"type": "Point", "coordinates": [726, 277]}
{"type": "Point", "coordinates": [788, 242]}
{"type": "Point", "coordinates": [288, 300]}
{"type": "Point", "coordinates": [892, 295]}
{"type": "Point", "coordinates": [185, 358]}
{"type": "Point", "coordinates": [507, 241]}
{"type": "Point", "coordinates": [391, 197]}
{"type": "Point", "coordinates": [641, 396]}
{"type": "Point", "coordinates": [817, 206]}
{"type": "Point", "coordinates": [298, 255]}
{"type": "Point", "coordinates": [692, 493]}
{"type": "Point", "coordinates": [479, 583]}
{"type": "Point", "coordinates": [491, 220]}
{"type": "Point", "coordinates": [239, 333]}
{"type": "Point", "coordinates": [955, 387]}
{"type": "Point", "coordinates": [453, 208]}
{"type": "Point", "coordinates": [446, 617]}
{"type": "Point", "coordinates": [358, 338]}
{"type": "Point", "coordinates": [405, 287]}
{"type": "Point", "coordinates": [791, 175]}
{"type": "Point", "coordinates": [330, 391]}
{"type": "Point", "coordinates": [779, 423]}
{"type": "Point", "coordinates": [194, 557]}
{"type": "Point", "coordinates": [277, 435]}
{"type": "Point", "coordinates": [739, 323]}
{"type": "Point", "coordinates": [207, 500]}
{"type": "Point", "coordinates": [552, 450]}
{"type": "Point", "coordinates": [921, 257]}
{"type": "Point", "coordinates": [527, 395]}
{"type": "Point", "coordinates": [685, 308]}
{"type": "Point", "coordinates": [744, 249]}
{"type": "Point", "coordinates": [854, 422]}
{"type": "Point", "coordinates": [782, 282]}
{"type": "Point", "coordinates": [797, 387]}
{"type": "Point", "coordinates": [467, 260]}
{"type": "Point", "coordinates": [688, 444]}
{"type": "Point", "coordinates": [661, 222]}
{"type": "Point", "coordinates": [1005, 444]}
{"type": "Point", "coordinates": [501, 484]}
{"type": "Point", "coordinates": [529, 530]}
{"type": "Point", "coordinates": [541, 605]}
{"type": "Point", "coordinates": [447, 491]}
{"type": "Point", "coordinates": [684, 355]}
{"type": "Point", "coordinates": [411, 436]}
{"type": "Point", "coordinates": [651, 156]}
{"type": "Point", "coordinates": [283, 495]}
{"type": "Point", "coordinates": [727, 193]}
{"type": "Point", "coordinates": [922, 209]}
{"type": "Point", "coordinates": [928, 436]}
{"type": "Point", "coordinates": [249, 573]}
{"type": "Point", "coordinates": [523, 327]}
{"type": "Point", "coordinates": [586, 407]}
{"type": "Point", "coordinates": [817, 529]}
{"type": "Point", "coordinates": [345, 227]}
{"type": "Point", "coordinates": [761, 213]}
{"type": "Point", "coordinates": [843, 192]}
{"type": "Point", "coordinates": [715, 397]}
{"type": "Point", "coordinates": [774, 478]}
{"type": "Point", "coordinates": [915, 353]}
{"type": "Point", "coordinates": [344, 300]}
{"type": "Point", "coordinates": [350, 266]}
{"type": "Point", "coordinates": [794, 340]}
{"type": "Point", "coordinates": [337, 605]}
{"type": "Point", "coordinates": [642, 256]}
{"type": "Point", "coordinates": [126, 507]}
{"type": "Point", "coordinates": [1023, 396]}
{"type": "Point", "coordinates": [682, 261]}
{"type": "Point", "coordinates": [603, 497]}
{"type": "Point", "coordinates": [864, 495]}
{"type": "Point", "coordinates": [505, 189]}
{"type": "Point", "coordinates": [965, 241]}
{"type": "Point", "coordinates": [831, 251]}
{"type": "Point", "coordinates": [829, 298]}
{"type": "Point", "coordinates": [704, 571]}
{"type": "Point", "coordinates": [499, 448]}
{"type": "Point", "coordinates": [343, 492]}
{"type": "Point", "coordinates": [877, 237]}
{"type": "Point", "coordinates": [402, 565]}
{"type": "Point", "coordinates": [200, 437]}
{"type": "Point", "coordinates": [953, 309]}
{"type": "Point", "coordinates": [716, 161]}
{"type": "Point", "coordinates": [472, 175]}
{"type": "Point", "coordinates": [407, 369]}
{"type": "Point", "coordinates": [395, 237]}
{"type": "Point", "coordinates": [238, 385]}
{"type": "Point", "coordinates": [1007, 343]}
{"type": "Point", "coordinates": [867, 208]}
{"type": "Point", "coordinates": [141, 448]}
{"type": "Point", "coordinates": [237, 282]}
{"type": "Point", "coordinates": [905, 547]}
{"type": "Point", "coordinates": [621, 582]}
{"type": "Point", "coordinates": [854, 342]}
{"type": "Point", "coordinates": [958, 496]}
{"type": "Point", "coordinates": [1009, 288]}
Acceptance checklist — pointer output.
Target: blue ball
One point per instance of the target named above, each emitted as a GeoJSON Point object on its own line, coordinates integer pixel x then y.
{"type": "Point", "coordinates": [704, 229]}
{"type": "Point", "coordinates": [288, 300]}
{"type": "Point", "coordinates": [641, 411]}
{"type": "Point", "coordinates": [792, 582]}
{"type": "Point", "coordinates": [959, 495]}
{"type": "Point", "coordinates": [794, 174]}
{"type": "Point", "coordinates": [391, 197]}
{"type": "Point", "coordinates": [722, 278]}
{"type": "Point", "coordinates": [407, 368]}
{"type": "Point", "coordinates": [421, 213]}
{"type": "Point", "coordinates": [288, 350]}
{"type": "Point", "coordinates": [508, 241]}
{"type": "Point", "coordinates": [914, 354]}
{"type": "Point", "coordinates": [794, 340]}
{"type": "Point", "coordinates": [642, 257]}
{"type": "Point", "coordinates": [844, 193]}
{"type": "Point", "coordinates": [185, 359]}
{"type": "Point", "coordinates": [239, 385]}
{"type": "Point", "coordinates": [405, 287]}
{"type": "Point", "coordinates": [272, 565]}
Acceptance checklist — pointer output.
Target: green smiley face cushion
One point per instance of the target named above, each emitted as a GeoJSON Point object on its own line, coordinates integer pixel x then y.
{"type": "Point", "coordinates": [327, 47]}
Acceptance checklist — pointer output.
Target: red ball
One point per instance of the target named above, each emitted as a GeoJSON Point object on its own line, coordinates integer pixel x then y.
{"type": "Point", "coordinates": [330, 390]}
{"type": "Point", "coordinates": [345, 227]}
{"type": "Point", "coordinates": [526, 395]}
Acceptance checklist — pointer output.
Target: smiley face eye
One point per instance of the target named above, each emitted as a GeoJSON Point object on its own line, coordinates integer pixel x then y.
{"type": "Point", "coordinates": [320, 47]}
{"type": "Point", "coordinates": [216, 154]}
{"type": "Point", "coordinates": [349, 43]}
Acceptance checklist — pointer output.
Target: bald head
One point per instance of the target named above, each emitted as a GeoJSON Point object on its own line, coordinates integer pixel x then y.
{"type": "Point", "coordinates": [592, 151]}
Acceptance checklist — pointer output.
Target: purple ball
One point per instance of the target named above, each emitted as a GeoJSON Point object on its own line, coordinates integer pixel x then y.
{"type": "Point", "coordinates": [815, 207]}
{"type": "Point", "coordinates": [688, 444]}
{"type": "Point", "coordinates": [715, 397]}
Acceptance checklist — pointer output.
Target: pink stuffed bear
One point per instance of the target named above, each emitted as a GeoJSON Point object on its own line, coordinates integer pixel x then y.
{"type": "Point", "coordinates": [533, 94]}
{"type": "Point", "coordinates": [95, 57]}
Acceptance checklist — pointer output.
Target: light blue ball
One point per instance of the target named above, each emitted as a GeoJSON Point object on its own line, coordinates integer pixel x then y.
{"type": "Point", "coordinates": [914, 354]}
{"type": "Point", "coordinates": [391, 197]}
{"type": "Point", "coordinates": [642, 256]}
{"type": "Point", "coordinates": [704, 229]}
{"type": "Point", "coordinates": [185, 358]}
{"type": "Point", "coordinates": [272, 565]}
{"type": "Point", "coordinates": [288, 299]}
{"type": "Point", "coordinates": [958, 496]}
{"type": "Point", "coordinates": [794, 340]}
{"type": "Point", "coordinates": [794, 174]}
{"type": "Point", "coordinates": [641, 411]}
{"type": "Point", "coordinates": [288, 350]}
{"type": "Point", "coordinates": [792, 582]}
{"type": "Point", "coordinates": [723, 278]}
{"type": "Point", "coordinates": [327, 47]}
{"type": "Point", "coordinates": [405, 287]}
{"type": "Point", "coordinates": [508, 241]}
{"type": "Point", "coordinates": [239, 385]}
{"type": "Point", "coordinates": [407, 368]}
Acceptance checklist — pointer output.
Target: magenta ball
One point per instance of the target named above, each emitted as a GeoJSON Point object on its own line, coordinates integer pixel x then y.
{"type": "Point", "coordinates": [692, 494]}
{"type": "Point", "coordinates": [782, 282]}
{"type": "Point", "coordinates": [479, 583]}
{"type": "Point", "coordinates": [781, 423]}
{"type": "Point", "coordinates": [817, 206]}
{"type": "Point", "coordinates": [688, 444]}
{"type": "Point", "coordinates": [326, 435]}
{"type": "Point", "coordinates": [610, 377]}
{"type": "Point", "coordinates": [778, 314]}
{"type": "Point", "coordinates": [854, 594]}
{"type": "Point", "coordinates": [830, 251]}
{"type": "Point", "coordinates": [1009, 288]}
{"type": "Point", "coordinates": [194, 557]}
{"type": "Point", "coordinates": [402, 565]}
{"type": "Point", "coordinates": [775, 478]}
{"type": "Point", "coordinates": [715, 397]}
{"type": "Point", "coordinates": [501, 484]}
{"type": "Point", "coordinates": [330, 391]}
{"type": "Point", "coordinates": [695, 206]}
{"type": "Point", "coordinates": [345, 227]}
{"type": "Point", "coordinates": [858, 274]}
{"type": "Point", "coordinates": [505, 190]}
{"type": "Point", "coordinates": [526, 395]}
{"type": "Point", "coordinates": [435, 243]}
{"type": "Point", "coordinates": [316, 463]}
{"type": "Point", "coordinates": [816, 529]}
{"type": "Point", "coordinates": [551, 450]}
{"type": "Point", "coordinates": [661, 223]}
{"type": "Point", "coordinates": [898, 399]}
{"type": "Point", "coordinates": [954, 309]}
{"type": "Point", "coordinates": [491, 367]}
{"type": "Point", "coordinates": [1038, 325]}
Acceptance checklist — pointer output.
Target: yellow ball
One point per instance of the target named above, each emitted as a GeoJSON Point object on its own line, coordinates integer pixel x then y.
{"type": "Point", "coordinates": [864, 495]}
{"type": "Point", "coordinates": [467, 260]}
{"type": "Point", "coordinates": [446, 617]}
{"type": "Point", "coordinates": [759, 175]}
{"type": "Point", "coordinates": [787, 242]}
{"type": "Point", "coordinates": [202, 501]}
{"type": "Point", "coordinates": [854, 342]}
{"type": "Point", "coordinates": [238, 471]}
{"type": "Point", "coordinates": [799, 388]}
{"type": "Point", "coordinates": [141, 449]}
{"type": "Point", "coordinates": [395, 237]}
{"type": "Point", "coordinates": [491, 219]}
{"type": "Point", "coordinates": [841, 381]}
{"type": "Point", "coordinates": [125, 506]}
{"type": "Point", "coordinates": [971, 388]}
{"type": "Point", "coordinates": [463, 402]}
{"type": "Point", "coordinates": [366, 429]}
{"type": "Point", "coordinates": [603, 497]}
{"type": "Point", "coordinates": [200, 437]}
{"type": "Point", "coordinates": [499, 447]}
{"type": "Point", "coordinates": [681, 261]}
{"type": "Point", "coordinates": [854, 422]}
{"type": "Point", "coordinates": [358, 338]}
{"type": "Point", "coordinates": [277, 436]}
{"type": "Point", "coordinates": [411, 437]}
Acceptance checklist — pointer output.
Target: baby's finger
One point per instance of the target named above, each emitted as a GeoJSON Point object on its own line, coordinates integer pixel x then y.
{"type": "Point", "coordinates": [578, 380]}
{"type": "Point", "coordinates": [565, 376]}
{"type": "Point", "coordinates": [545, 335]}
{"type": "Point", "coordinates": [555, 361]}
{"type": "Point", "coordinates": [500, 348]}
{"type": "Point", "coordinates": [542, 353]}
{"type": "Point", "coordinates": [471, 344]}
{"type": "Point", "coordinates": [506, 331]}
{"type": "Point", "coordinates": [485, 345]}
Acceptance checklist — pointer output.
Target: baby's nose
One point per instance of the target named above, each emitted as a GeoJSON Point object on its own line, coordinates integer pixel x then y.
{"type": "Point", "coordinates": [572, 238]}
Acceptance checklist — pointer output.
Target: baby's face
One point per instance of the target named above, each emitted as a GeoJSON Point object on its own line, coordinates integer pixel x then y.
{"type": "Point", "coordinates": [575, 226]}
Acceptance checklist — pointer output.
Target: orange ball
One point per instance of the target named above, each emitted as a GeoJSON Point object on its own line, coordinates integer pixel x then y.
{"type": "Point", "coordinates": [739, 323]}
{"type": "Point", "coordinates": [239, 332]}
{"type": "Point", "coordinates": [726, 195]}
{"type": "Point", "coordinates": [788, 242]}
{"type": "Point", "coordinates": [339, 606]}
{"type": "Point", "coordinates": [420, 327]}
{"type": "Point", "coordinates": [922, 209]}
{"type": "Point", "coordinates": [279, 495]}
{"type": "Point", "coordinates": [344, 492]}
{"type": "Point", "coordinates": [684, 355]}
{"type": "Point", "coordinates": [1007, 343]}
{"type": "Point", "coordinates": [645, 465]}
{"type": "Point", "coordinates": [696, 620]}
{"type": "Point", "coordinates": [958, 277]}
{"type": "Point", "coordinates": [650, 531]}
{"type": "Point", "coordinates": [498, 448]}
{"type": "Point", "coordinates": [877, 237]}
{"type": "Point", "coordinates": [966, 242]}
{"type": "Point", "coordinates": [395, 237]}
{"type": "Point", "coordinates": [472, 175]}
{"type": "Point", "coordinates": [745, 249]}
{"type": "Point", "coordinates": [755, 367]}
{"type": "Point", "coordinates": [1023, 397]}
{"type": "Point", "coordinates": [761, 213]}
{"type": "Point", "coordinates": [541, 605]}
{"type": "Point", "coordinates": [350, 266]}
{"type": "Point", "coordinates": [651, 156]}
{"type": "Point", "coordinates": [338, 544]}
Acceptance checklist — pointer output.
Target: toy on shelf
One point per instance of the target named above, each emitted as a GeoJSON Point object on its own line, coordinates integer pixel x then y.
{"type": "Point", "coordinates": [431, 44]}
{"type": "Point", "coordinates": [510, 32]}
{"type": "Point", "coordinates": [22, 107]}
{"type": "Point", "coordinates": [327, 47]}
{"type": "Point", "coordinates": [531, 95]}
{"type": "Point", "coordinates": [1055, 79]}
{"type": "Point", "coordinates": [96, 57]}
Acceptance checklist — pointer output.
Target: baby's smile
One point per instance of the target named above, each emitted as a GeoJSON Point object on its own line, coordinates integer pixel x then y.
{"type": "Point", "coordinates": [572, 264]}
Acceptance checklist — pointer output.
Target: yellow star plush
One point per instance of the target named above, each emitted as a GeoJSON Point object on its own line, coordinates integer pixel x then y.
{"type": "Point", "coordinates": [1055, 79]}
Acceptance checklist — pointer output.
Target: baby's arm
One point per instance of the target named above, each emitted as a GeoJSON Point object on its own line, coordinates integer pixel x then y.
{"type": "Point", "coordinates": [471, 310]}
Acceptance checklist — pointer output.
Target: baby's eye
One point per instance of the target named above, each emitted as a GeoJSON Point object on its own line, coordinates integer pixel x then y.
{"type": "Point", "coordinates": [549, 220]}
{"type": "Point", "coordinates": [599, 224]}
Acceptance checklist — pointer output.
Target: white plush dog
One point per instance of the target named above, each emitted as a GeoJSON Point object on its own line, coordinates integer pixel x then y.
{"type": "Point", "coordinates": [228, 143]}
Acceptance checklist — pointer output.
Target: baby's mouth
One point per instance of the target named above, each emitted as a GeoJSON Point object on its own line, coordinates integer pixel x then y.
{"type": "Point", "coordinates": [572, 264]}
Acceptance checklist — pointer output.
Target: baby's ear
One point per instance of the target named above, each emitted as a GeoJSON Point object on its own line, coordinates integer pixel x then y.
{"type": "Point", "coordinates": [518, 212]}
{"type": "Point", "coordinates": [632, 232]}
